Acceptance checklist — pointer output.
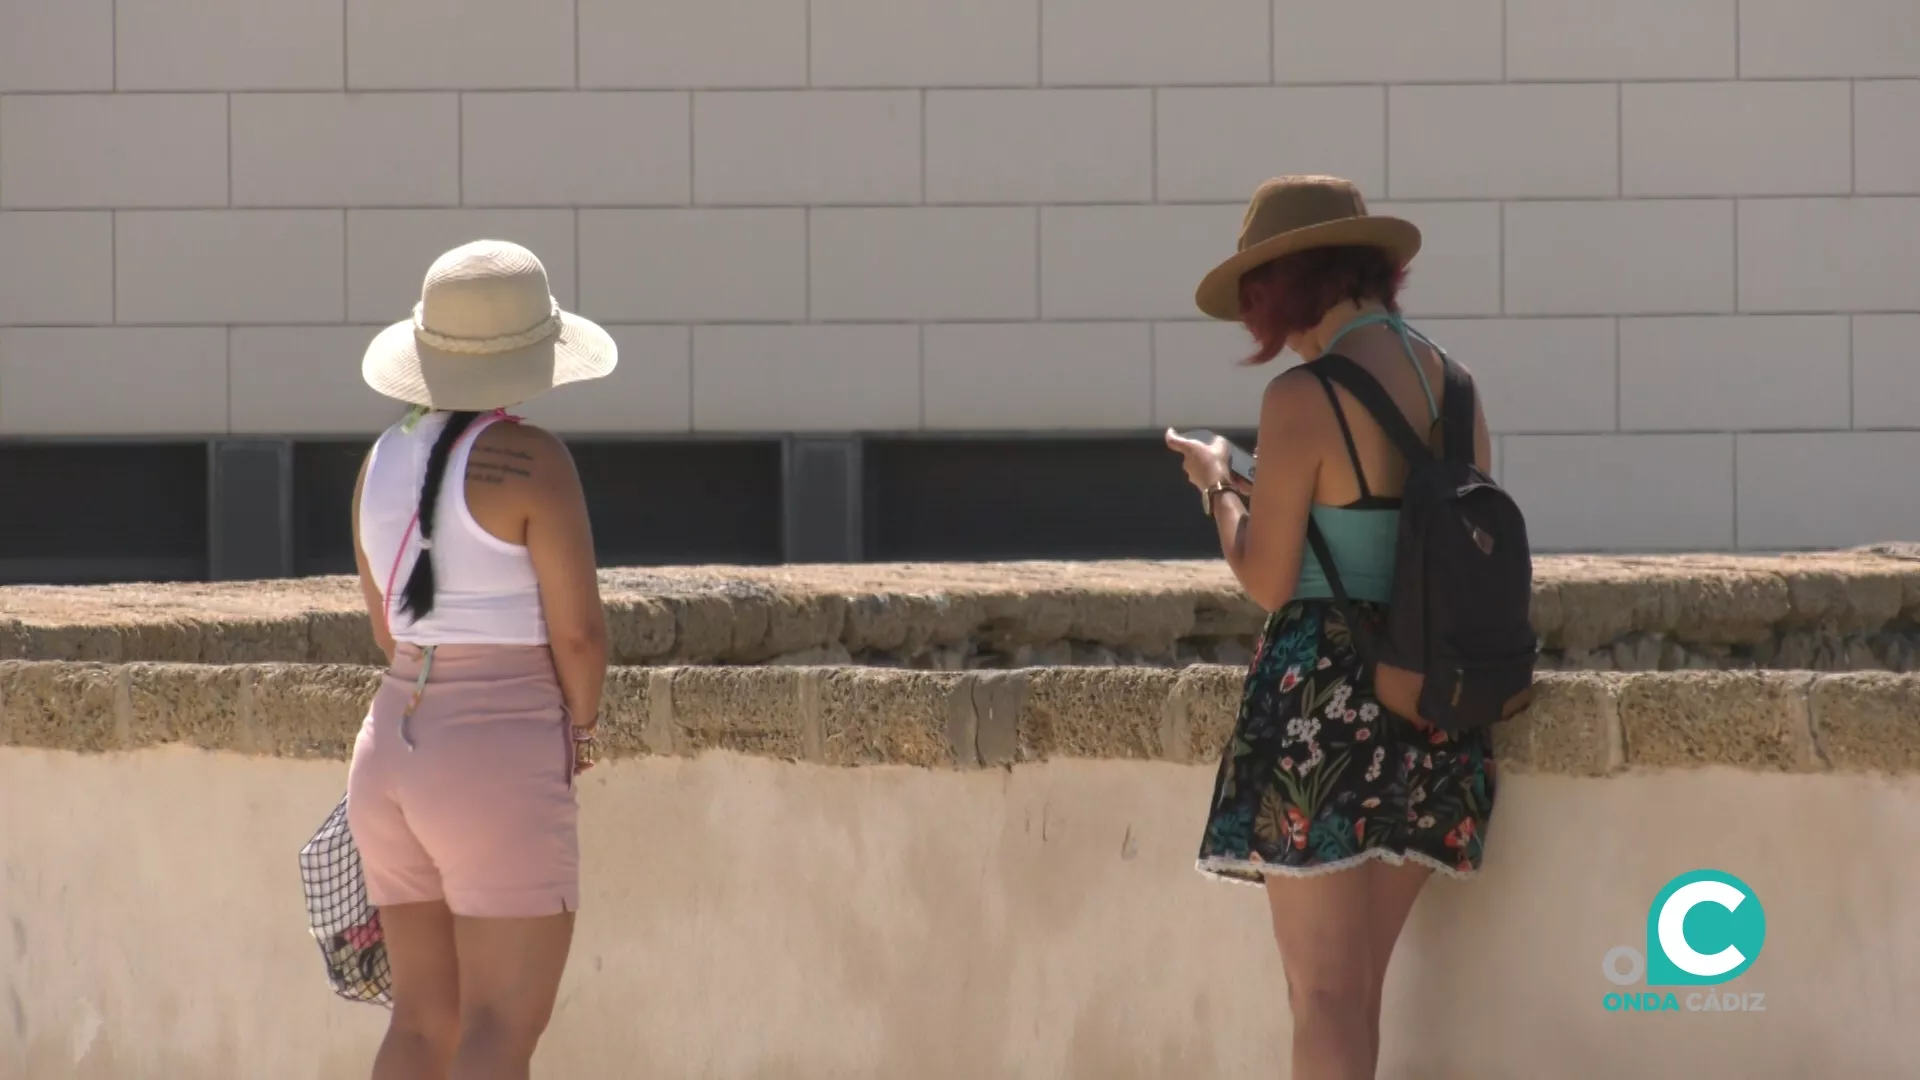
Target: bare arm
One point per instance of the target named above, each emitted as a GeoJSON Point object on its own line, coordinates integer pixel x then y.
{"type": "Point", "coordinates": [560, 542]}
{"type": "Point", "coordinates": [1264, 550]}
{"type": "Point", "coordinates": [369, 586]}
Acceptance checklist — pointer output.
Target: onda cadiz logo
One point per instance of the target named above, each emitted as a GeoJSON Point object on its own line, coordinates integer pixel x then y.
{"type": "Point", "coordinates": [1705, 928]}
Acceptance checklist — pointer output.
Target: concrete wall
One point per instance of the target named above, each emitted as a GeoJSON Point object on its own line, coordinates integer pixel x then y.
{"type": "Point", "coordinates": [1677, 239]}
{"type": "Point", "coordinates": [811, 874]}
{"type": "Point", "coordinates": [746, 919]}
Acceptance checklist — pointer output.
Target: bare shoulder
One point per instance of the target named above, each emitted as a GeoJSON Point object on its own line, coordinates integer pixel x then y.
{"type": "Point", "coordinates": [1294, 397]}
{"type": "Point", "coordinates": [509, 455]}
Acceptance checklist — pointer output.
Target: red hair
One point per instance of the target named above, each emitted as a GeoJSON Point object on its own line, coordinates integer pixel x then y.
{"type": "Point", "coordinates": [1291, 294]}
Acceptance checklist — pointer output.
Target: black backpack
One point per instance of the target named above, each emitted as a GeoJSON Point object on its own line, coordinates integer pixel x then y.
{"type": "Point", "coordinates": [1459, 647]}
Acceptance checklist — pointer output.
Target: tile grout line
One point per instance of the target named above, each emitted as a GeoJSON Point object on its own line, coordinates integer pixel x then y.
{"type": "Point", "coordinates": [1738, 62]}
{"type": "Point", "coordinates": [1619, 328]}
{"type": "Point", "coordinates": [1853, 137]}
{"type": "Point", "coordinates": [1500, 256]}
{"type": "Point", "coordinates": [1040, 43]}
{"type": "Point", "coordinates": [1735, 437]}
{"type": "Point", "coordinates": [1619, 140]}
{"type": "Point", "coordinates": [1386, 142]}
{"type": "Point", "coordinates": [1153, 144]}
{"type": "Point", "coordinates": [1039, 268]}
{"type": "Point", "coordinates": [1503, 39]}
{"type": "Point", "coordinates": [1736, 256]}
{"type": "Point", "coordinates": [1852, 420]}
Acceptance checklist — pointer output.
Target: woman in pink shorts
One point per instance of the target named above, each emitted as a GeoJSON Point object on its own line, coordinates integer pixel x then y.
{"type": "Point", "coordinates": [477, 565]}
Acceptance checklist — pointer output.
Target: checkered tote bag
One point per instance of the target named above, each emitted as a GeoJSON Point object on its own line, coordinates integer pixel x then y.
{"type": "Point", "coordinates": [344, 923]}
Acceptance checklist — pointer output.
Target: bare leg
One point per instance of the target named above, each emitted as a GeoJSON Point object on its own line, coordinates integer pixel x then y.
{"type": "Point", "coordinates": [509, 977]}
{"type": "Point", "coordinates": [1322, 925]}
{"type": "Point", "coordinates": [425, 1027]}
{"type": "Point", "coordinates": [1391, 893]}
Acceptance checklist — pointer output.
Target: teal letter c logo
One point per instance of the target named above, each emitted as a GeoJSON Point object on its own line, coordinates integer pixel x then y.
{"type": "Point", "coordinates": [1705, 928]}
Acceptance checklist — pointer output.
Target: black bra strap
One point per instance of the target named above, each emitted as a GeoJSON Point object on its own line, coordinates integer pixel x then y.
{"type": "Point", "coordinates": [1340, 414]}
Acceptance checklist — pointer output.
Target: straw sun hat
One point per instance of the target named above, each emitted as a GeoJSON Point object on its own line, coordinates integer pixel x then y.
{"type": "Point", "coordinates": [486, 334]}
{"type": "Point", "coordinates": [1299, 213]}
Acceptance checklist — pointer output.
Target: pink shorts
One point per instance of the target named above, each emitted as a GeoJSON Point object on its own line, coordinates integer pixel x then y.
{"type": "Point", "coordinates": [480, 811]}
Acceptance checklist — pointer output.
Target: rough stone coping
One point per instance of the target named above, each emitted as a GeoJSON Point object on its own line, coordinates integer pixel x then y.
{"type": "Point", "coordinates": [1583, 723]}
{"type": "Point", "coordinates": [736, 615]}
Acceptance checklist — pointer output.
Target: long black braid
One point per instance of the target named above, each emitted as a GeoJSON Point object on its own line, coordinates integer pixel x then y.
{"type": "Point", "coordinates": [416, 597]}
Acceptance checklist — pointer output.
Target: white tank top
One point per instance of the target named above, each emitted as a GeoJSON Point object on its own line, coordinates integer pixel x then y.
{"type": "Point", "coordinates": [486, 592]}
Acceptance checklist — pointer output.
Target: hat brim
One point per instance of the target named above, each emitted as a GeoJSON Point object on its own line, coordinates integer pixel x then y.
{"type": "Point", "coordinates": [1219, 292]}
{"type": "Point", "coordinates": [400, 366]}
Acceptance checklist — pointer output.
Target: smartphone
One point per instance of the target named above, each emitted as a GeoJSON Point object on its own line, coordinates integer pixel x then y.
{"type": "Point", "coordinates": [1239, 462]}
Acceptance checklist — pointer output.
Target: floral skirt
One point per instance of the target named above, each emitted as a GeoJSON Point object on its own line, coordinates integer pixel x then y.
{"type": "Point", "coordinates": [1318, 777]}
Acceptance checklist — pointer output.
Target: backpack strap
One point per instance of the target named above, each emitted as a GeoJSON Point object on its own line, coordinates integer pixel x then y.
{"type": "Point", "coordinates": [1362, 643]}
{"type": "Point", "coordinates": [1379, 404]}
{"type": "Point", "coordinates": [1457, 411]}
{"type": "Point", "coordinates": [1346, 432]}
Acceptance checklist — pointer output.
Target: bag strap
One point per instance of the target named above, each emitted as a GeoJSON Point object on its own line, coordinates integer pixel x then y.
{"type": "Point", "coordinates": [1457, 411]}
{"type": "Point", "coordinates": [1362, 642]}
{"type": "Point", "coordinates": [1379, 404]}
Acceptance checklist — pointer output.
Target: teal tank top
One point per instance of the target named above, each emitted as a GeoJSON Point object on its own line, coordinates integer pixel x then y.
{"type": "Point", "coordinates": [1362, 536]}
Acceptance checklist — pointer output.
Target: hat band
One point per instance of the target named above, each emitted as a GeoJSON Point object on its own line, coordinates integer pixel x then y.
{"type": "Point", "coordinates": [467, 346]}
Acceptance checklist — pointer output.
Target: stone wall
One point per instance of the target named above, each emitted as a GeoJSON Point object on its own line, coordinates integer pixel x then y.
{"type": "Point", "coordinates": [1831, 612]}
{"type": "Point", "coordinates": [1582, 723]}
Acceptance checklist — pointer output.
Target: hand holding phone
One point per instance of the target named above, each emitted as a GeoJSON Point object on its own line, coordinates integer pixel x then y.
{"type": "Point", "coordinates": [1240, 463]}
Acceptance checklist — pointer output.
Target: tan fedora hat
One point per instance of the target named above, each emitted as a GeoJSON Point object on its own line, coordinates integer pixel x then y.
{"type": "Point", "coordinates": [486, 334]}
{"type": "Point", "coordinates": [1298, 213]}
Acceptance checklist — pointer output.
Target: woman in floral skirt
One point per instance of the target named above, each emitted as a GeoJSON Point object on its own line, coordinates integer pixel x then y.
{"type": "Point", "coordinates": [1341, 809]}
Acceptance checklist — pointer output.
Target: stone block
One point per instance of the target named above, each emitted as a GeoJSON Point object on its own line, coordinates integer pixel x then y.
{"type": "Point", "coordinates": [167, 380]}
{"type": "Point", "coordinates": [1868, 722]}
{"type": "Point", "coordinates": [1572, 728]}
{"type": "Point", "coordinates": [807, 147]}
{"type": "Point", "coordinates": [60, 270]}
{"type": "Point", "coordinates": [1039, 146]}
{"type": "Point", "coordinates": [1624, 257]}
{"type": "Point", "coordinates": [1749, 720]}
{"type": "Point", "coordinates": [115, 151]}
{"type": "Point", "coordinates": [744, 711]}
{"type": "Point", "coordinates": [986, 270]}
{"type": "Point", "coordinates": [209, 706]}
{"type": "Point", "coordinates": [1202, 708]}
{"type": "Point", "coordinates": [1037, 376]}
{"type": "Point", "coordinates": [61, 706]}
{"type": "Point", "coordinates": [639, 630]}
{"type": "Point", "coordinates": [233, 267]}
{"type": "Point", "coordinates": [806, 378]}
{"type": "Point", "coordinates": [626, 711]}
{"type": "Point", "coordinates": [1871, 246]}
{"type": "Point", "coordinates": [1093, 712]}
{"type": "Point", "coordinates": [1499, 141]}
{"type": "Point", "coordinates": [870, 717]}
{"type": "Point", "coordinates": [311, 710]}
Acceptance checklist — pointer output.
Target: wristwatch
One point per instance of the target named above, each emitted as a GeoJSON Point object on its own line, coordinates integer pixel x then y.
{"type": "Point", "coordinates": [1207, 494]}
